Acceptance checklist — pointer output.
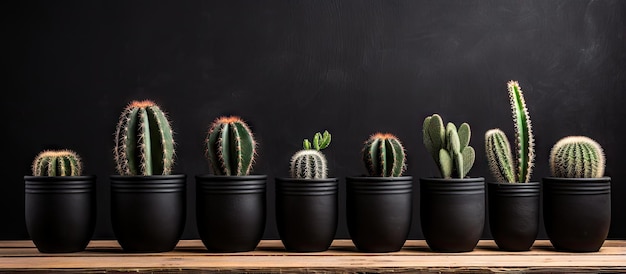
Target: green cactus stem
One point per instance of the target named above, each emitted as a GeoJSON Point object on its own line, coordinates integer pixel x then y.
{"type": "Point", "coordinates": [384, 156]}
{"type": "Point", "coordinates": [577, 157]}
{"type": "Point", "coordinates": [499, 156]}
{"type": "Point", "coordinates": [231, 148]}
{"type": "Point", "coordinates": [310, 162]}
{"type": "Point", "coordinates": [144, 143]}
{"type": "Point", "coordinates": [57, 163]}
{"type": "Point", "coordinates": [449, 146]}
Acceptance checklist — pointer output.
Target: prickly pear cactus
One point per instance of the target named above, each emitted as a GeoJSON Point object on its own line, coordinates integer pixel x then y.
{"type": "Point", "coordinates": [57, 163]}
{"type": "Point", "coordinates": [310, 162]}
{"type": "Point", "coordinates": [231, 147]}
{"type": "Point", "coordinates": [449, 146]}
{"type": "Point", "coordinates": [384, 156]}
{"type": "Point", "coordinates": [577, 157]}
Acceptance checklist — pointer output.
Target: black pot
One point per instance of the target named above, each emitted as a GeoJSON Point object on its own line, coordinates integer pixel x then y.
{"type": "Point", "coordinates": [60, 212]}
{"type": "Point", "coordinates": [514, 214]}
{"type": "Point", "coordinates": [306, 213]}
{"type": "Point", "coordinates": [148, 212]}
{"type": "Point", "coordinates": [452, 213]}
{"type": "Point", "coordinates": [379, 211]}
{"type": "Point", "coordinates": [577, 212]}
{"type": "Point", "coordinates": [231, 211]}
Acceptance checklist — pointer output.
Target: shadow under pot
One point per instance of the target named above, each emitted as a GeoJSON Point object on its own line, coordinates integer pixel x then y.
{"type": "Point", "coordinates": [231, 211]}
{"type": "Point", "coordinates": [577, 212]}
{"type": "Point", "coordinates": [306, 213]}
{"type": "Point", "coordinates": [514, 214]}
{"type": "Point", "coordinates": [60, 212]}
{"type": "Point", "coordinates": [379, 212]}
{"type": "Point", "coordinates": [452, 213]}
{"type": "Point", "coordinates": [148, 212]}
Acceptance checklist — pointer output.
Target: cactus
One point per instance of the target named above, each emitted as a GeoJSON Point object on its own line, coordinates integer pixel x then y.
{"type": "Point", "coordinates": [57, 163]}
{"type": "Point", "coordinates": [384, 156]}
{"type": "Point", "coordinates": [231, 147]}
{"type": "Point", "coordinates": [449, 146]}
{"type": "Point", "coordinates": [144, 143]}
{"type": "Point", "coordinates": [504, 165]}
{"type": "Point", "coordinates": [310, 162]}
{"type": "Point", "coordinates": [577, 157]}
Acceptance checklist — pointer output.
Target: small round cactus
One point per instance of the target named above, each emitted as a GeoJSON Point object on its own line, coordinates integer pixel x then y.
{"type": "Point", "coordinates": [310, 162]}
{"type": "Point", "coordinates": [577, 157]}
{"type": "Point", "coordinates": [384, 156]}
{"type": "Point", "coordinates": [230, 147]}
{"type": "Point", "coordinates": [57, 163]}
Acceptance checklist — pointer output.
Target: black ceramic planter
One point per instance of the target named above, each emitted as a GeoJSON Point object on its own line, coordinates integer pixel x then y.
{"type": "Point", "coordinates": [379, 211]}
{"type": "Point", "coordinates": [452, 213]}
{"type": "Point", "coordinates": [306, 213]}
{"type": "Point", "coordinates": [514, 214]}
{"type": "Point", "coordinates": [577, 212]}
{"type": "Point", "coordinates": [231, 211]}
{"type": "Point", "coordinates": [148, 212]}
{"type": "Point", "coordinates": [60, 212]}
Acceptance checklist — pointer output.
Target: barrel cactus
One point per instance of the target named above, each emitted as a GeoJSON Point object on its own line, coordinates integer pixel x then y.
{"type": "Point", "coordinates": [230, 147]}
{"type": "Point", "coordinates": [577, 157]}
{"type": "Point", "coordinates": [384, 156]}
{"type": "Point", "coordinates": [63, 162]}
{"type": "Point", "coordinates": [505, 165]}
{"type": "Point", "coordinates": [449, 146]}
{"type": "Point", "coordinates": [310, 162]}
{"type": "Point", "coordinates": [144, 143]}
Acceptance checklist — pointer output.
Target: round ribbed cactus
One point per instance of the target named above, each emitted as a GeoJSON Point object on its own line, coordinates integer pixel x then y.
{"type": "Point", "coordinates": [144, 143]}
{"type": "Point", "coordinates": [384, 156]}
{"type": "Point", "coordinates": [310, 162]}
{"type": "Point", "coordinates": [231, 147]}
{"type": "Point", "coordinates": [57, 163]}
{"type": "Point", "coordinates": [449, 146]}
{"type": "Point", "coordinates": [577, 157]}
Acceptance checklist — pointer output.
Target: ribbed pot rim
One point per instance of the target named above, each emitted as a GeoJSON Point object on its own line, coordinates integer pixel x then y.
{"type": "Point", "coordinates": [152, 183]}
{"type": "Point", "coordinates": [380, 185]}
{"type": "Point", "coordinates": [379, 179]}
{"type": "Point", "coordinates": [604, 179]}
{"type": "Point", "coordinates": [514, 189]}
{"type": "Point", "coordinates": [309, 187]}
{"type": "Point", "coordinates": [59, 184]}
{"type": "Point", "coordinates": [212, 184]}
{"type": "Point", "coordinates": [577, 186]}
{"type": "Point", "coordinates": [304, 181]}
{"type": "Point", "coordinates": [45, 179]}
{"type": "Point", "coordinates": [146, 177]}
{"type": "Point", "coordinates": [211, 177]}
{"type": "Point", "coordinates": [466, 186]}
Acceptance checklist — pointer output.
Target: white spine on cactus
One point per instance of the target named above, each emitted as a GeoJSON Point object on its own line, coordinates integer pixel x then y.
{"type": "Point", "coordinates": [309, 164]}
{"type": "Point", "coordinates": [577, 157]}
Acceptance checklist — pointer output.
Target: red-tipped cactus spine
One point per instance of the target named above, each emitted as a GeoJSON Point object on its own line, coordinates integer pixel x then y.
{"type": "Point", "coordinates": [57, 163]}
{"type": "Point", "coordinates": [384, 156]}
{"type": "Point", "coordinates": [230, 147]}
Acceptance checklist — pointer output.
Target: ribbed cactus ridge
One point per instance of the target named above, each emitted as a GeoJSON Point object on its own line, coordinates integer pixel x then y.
{"type": "Point", "coordinates": [449, 146]}
{"type": "Point", "coordinates": [310, 162]}
{"type": "Point", "coordinates": [384, 156]}
{"type": "Point", "coordinates": [499, 155]}
{"type": "Point", "coordinates": [57, 163]}
{"type": "Point", "coordinates": [144, 143]}
{"type": "Point", "coordinates": [577, 157]}
{"type": "Point", "coordinates": [230, 147]}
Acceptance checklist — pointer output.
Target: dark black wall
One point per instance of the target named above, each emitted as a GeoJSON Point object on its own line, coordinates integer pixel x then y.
{"type": "Point", "coordinates": [291, 68]}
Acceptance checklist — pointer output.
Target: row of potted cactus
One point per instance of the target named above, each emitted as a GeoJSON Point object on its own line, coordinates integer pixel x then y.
{"type": "Point", "coordinates": [148, 202]}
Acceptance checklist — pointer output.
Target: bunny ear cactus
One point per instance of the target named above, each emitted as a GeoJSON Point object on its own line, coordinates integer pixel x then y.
{"type": "Point", "coordinates": [449, 146]}
{"type": "Point", "coordinates": [577, 157]}
{"type": "Point", "coordinates": [384, 156]}
{"type": "Point", "coordinates": [144, 143]}
{"type": "Point", "coordinates": [504, 165]}
{"type": "Point", "coordinates": [57, 163]}
{"type": "Point", "coordinates": [231, 147]}
{"type": "Point", "coordinates": [310, 162]}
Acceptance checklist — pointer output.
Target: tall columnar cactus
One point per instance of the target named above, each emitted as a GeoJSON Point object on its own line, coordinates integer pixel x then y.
{"type": "Point", "coordinates": [448, 146]}
{"type": "Point", "coordinates": [57, 163]}
{"type": "Point", "coordinates": [231, 147]}
{"type": "Point", "coordinates": [577, 157]}
{"type": "Point", "coordinates": [384, 156]}
{"type": "Point", "coordinates": [504, 165]}
{"type": "Point", "coordinates": [310, 162]}
{"type": "Point", "coordinates": [144, 143]}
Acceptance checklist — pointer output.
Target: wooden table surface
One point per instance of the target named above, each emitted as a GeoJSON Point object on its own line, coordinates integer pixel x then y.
{"type": "Point", "coordinates": [270, 257]}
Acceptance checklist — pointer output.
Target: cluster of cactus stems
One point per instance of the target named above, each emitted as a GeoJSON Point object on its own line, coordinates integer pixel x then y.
{"type": "Point", "coordinates": [505, 165]}
{"type": "Point", "coordinates": [230, 147]}
{"type": "Point", "coordinates": [57, 163]}
{"type": "Point", "coordinates": [449, 146]}
{"type": "Point", "coordinates": [384, 156]}
{"type": "Point", "coordinates": [577, 157]}
{"type": "Point", "coordinates": [144, 143]}
{"type": "Point", "coordinates": [310, 162]}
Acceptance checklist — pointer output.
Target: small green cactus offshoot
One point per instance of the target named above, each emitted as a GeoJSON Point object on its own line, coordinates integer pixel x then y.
{"type": "Point", "coordinates": [310, 162]}
{"type": "Point", "coordinates": [57, 163]}
{"type": "Point", "coordinates": [577, 157]}
{"type": "Point", "coordinates": [448, 146]}
{"type": "Point", "coordinates": [144, 143]}
{"type": "Point", "coordinates": [384, 156]}
{"type": "Point", "coordinates": [230, 147]}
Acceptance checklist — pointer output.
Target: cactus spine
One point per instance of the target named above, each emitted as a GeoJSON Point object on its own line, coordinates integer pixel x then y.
{"type": "Point", "coordinates": [449, 146]}
{"type": "Point", "coordinates": [577, 157]}
{"type": "Point", "coordinates": [144, 143]}
{"type": "Point", "coordinates": [310, 162]}
{"type": "Point", "coordinates": [57, 163]}
{"type": "Point", "coordinates": [231, 147]}
{"type": "Point", "coordinates": [384, 156]}
{"type": "Point", "coordinates": [504, 165]}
